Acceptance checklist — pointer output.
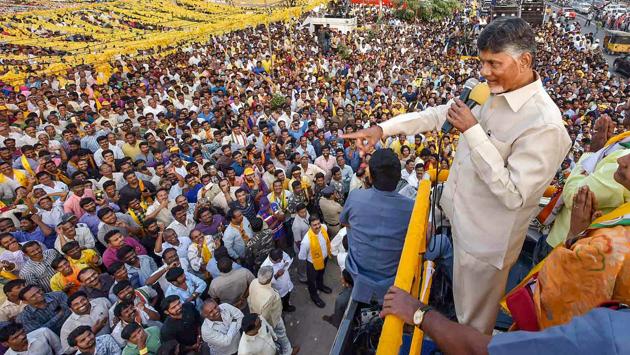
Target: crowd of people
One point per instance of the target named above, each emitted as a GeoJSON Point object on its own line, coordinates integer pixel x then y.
{"type": "Point", "coordinates": [166, 210]}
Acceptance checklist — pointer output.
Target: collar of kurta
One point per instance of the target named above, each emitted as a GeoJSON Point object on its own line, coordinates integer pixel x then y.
{"type": "Point", "coordinates": [517, 98]}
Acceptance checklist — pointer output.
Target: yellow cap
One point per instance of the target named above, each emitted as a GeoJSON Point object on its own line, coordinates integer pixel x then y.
{"type": "Point", "coordinates": [248, 171]}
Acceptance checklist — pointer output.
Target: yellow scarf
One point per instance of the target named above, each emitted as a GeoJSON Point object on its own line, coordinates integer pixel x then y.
{"type": "Point", "coordinates": [283, 199]}
{"type": "Point", "coordinates": [618, 216]}
{"type": "Point", "coordinates": [206, 255]}
{"type": "Point", "coordinates": [18, 176]}
{"type": "Point", "coordinates": [26, 165]}
{"type": "Point", "coordinates": [617, 138]}
{"type": "Point", "coordinates": [316, 249]}
{"type": "Point", "coordinates": [62, 177]}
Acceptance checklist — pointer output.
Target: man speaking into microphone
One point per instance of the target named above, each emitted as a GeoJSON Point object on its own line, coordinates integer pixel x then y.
{"type": "Point", "coordinates": [509, 150]}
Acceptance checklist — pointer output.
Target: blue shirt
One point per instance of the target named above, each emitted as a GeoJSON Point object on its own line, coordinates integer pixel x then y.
{"type": "Point", "coordinates": [193, 284]}
{"type": "Point", "coordinates": [191, 194]}
{"type": "Point", "coordinates": [300, 132]}
{"type": "Point", "coordinates": [600, 331]}
{"type": "Point", "coordinates": [92, 221]}
{"type": "Point", "coordinates": [353, 160]}
{"type": "Point", "coordinates": [233, 240]}
{"type": "Point", "coordinates": [208, 118]}
{"type": "Point", "coordinates": [375, 239]}
{"type": "Point", "coordinates": [36, 235]}
{"type": "Point", "coordinates": [238, 169]}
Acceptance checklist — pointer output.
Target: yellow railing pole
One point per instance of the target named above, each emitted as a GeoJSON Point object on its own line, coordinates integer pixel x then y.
{"type": "Point", "coordinates": [408, 268]}
{"type": "Point", "coordinates": [425, 290]}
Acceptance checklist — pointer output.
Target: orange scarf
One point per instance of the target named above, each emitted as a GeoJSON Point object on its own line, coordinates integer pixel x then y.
{"type": "Point", "coordinates": [145, 201]}
{"type": "Point", "coordinates": [241, 230]}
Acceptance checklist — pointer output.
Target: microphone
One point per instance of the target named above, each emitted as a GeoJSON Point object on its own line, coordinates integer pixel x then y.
{"type": "Point", "coordinates": [474, 93]}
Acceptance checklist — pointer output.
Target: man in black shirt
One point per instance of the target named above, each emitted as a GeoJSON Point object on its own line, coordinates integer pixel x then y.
{"type": "Point", "coordinates": [183, 324]}
{"type": "Point", "coordinates": [135, 188]}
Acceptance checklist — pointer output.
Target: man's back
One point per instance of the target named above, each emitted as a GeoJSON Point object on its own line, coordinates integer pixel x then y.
{"type": "Point", "coordinates": [265, 301]}
{"type": "Point", "coordinates": [330, 211]}
{"type": "Point", "coordinates": [230, 286]}
{"type": "Point", "coordinates": [375, 239]}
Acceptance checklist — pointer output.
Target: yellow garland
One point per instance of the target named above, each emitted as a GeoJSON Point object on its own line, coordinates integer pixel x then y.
{"type": "Point", "coordinates": [185, 21]}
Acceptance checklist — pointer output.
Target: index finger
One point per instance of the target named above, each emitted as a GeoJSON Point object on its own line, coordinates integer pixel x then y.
{"type": "Point", "coordinates": [354, 135]}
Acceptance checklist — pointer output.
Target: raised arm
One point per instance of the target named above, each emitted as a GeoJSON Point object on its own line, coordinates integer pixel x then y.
{"type": "Point", "coordinates": [408, 123]}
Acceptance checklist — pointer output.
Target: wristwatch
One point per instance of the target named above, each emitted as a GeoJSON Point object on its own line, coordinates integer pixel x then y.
{"type": "Point", "coordinates": [418, 316]}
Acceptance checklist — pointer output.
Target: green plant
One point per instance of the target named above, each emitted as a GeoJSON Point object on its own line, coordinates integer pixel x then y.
{"type": "Point", "coordinates": [277, 101]}
{"type": "Point", "coordinates": [426, 10]}
{"type": "Point", "coordinates": [343, 51]}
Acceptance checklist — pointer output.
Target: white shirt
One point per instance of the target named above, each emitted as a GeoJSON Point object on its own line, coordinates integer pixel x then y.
{"type": "Point", "coordinates": [117, 179]}
{"type": "Point", "coordinates": [337, 249]}
{"type": "Point", "coordinates": [259, 344]}
{"type": "Point", "coordinates": [41, 341]}
{"type": "Point", "coordinates": [164, 216]}
{"type": "Point", "coordinates": [182, 248]}
{"type": "Point", "coordinates": [53, 217]}
{"type": "Point", "coordinates": [223, 336]}
{"type": "Point", "coordinates": [7, 189]}
{"type": "Point", "coordinates": [305, 246]}
{"type": "Point", "coordinates": [84, 237]}
{"type": "Point", "coordinates": [501, 168]}
{"type": "Point", "coordinates": [283, 284]}
{"type": "Point", "coordinates": [154, 111]}
{"type": "Point", "coordinates": [58, 186]}
{"type": "Point", "coordinates": [100, 310]}
{"type": "Point", "coordinates": [220, 201]}
{"type": "Point", "coordinates": [98, 154]}
{"type": "Point", "coordinates": [404, 174]}
{"type": "Point", "coordinates": [182, 230]}
{"type": "Point", "coordinates": [26, 140]}
{"type": "Point", "coordinates": [162, 280]}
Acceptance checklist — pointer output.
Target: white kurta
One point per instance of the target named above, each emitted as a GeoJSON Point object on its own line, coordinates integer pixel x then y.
{"type": "Point", "coordinates": [501, 168]}
{"type": "Point", "coordinates": [259, 344]}
{"type": "Point", "coordinates": [282, 284]}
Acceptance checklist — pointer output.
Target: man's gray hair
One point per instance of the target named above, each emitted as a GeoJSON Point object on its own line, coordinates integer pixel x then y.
{"type": "Point", "coordinates": [265, 274]}
{"type": "Point", "coordinates": [509, 34]}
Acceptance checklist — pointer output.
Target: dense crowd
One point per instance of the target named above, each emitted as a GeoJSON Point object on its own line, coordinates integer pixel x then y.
{"type": "Point", "coordinates": [176, 197]}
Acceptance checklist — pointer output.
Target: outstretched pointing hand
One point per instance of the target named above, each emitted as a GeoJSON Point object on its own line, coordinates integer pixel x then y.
{"type": "Point", "coordinates": [365, 138]}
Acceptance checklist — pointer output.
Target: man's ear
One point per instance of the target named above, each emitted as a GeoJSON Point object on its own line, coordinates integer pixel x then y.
{"type": "Point", "coordinates": [525, 61]}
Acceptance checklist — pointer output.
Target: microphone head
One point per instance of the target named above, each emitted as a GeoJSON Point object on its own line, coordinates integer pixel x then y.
{"type": "Point", "coordinates": [471, 83]}
{"type": "Point", "coordinates": [480, 93]}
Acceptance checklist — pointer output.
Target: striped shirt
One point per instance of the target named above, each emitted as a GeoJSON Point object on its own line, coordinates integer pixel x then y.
{"type": "Point", "coordinates": [106, 345]}
{"type": "Point", "coordinates": [39, 272]}
{"type": "Point", "coordinates": [51, 317]}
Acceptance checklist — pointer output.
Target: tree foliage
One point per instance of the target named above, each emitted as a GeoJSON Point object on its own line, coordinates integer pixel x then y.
{"type": "Point", "coordinates": [426, 10]}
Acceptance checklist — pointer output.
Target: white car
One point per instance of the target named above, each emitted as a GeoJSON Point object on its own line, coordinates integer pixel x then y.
{"type": "Point", "coordinates": [616, 12]}
{"type": "Point", "coordinates": [583, 8]}
{"type": "Point", "coordinates": [613, 7]}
